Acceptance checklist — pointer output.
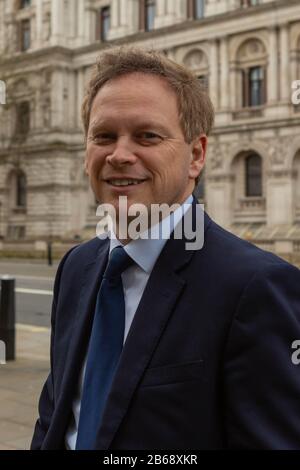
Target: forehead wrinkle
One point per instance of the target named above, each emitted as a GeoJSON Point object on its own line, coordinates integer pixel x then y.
{"type": "Point", "coordinates": [131, 120]}
{"type": "Point", "coordinates": [121, 103]}
{"type": "Point", "coordinates": [135, 103]}
{"type": "Point", "coordinates": [136, 94]}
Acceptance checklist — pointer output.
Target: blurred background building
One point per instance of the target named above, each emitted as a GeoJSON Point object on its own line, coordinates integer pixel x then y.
{"type": "Point", "coordinates": [245, 51]}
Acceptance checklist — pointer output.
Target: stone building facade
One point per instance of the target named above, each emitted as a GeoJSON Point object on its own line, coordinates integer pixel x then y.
{"type": "Point", "coordinates": [246, 51]}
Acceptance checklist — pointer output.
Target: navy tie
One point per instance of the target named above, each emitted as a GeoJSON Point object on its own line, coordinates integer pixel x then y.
{"type": "Point", "coordinates": [105, 347]}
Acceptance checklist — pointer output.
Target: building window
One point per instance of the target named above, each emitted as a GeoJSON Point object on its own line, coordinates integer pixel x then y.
{"type": "Point", "coordinates": [22, 118]}
{"type": "Point", "coordinates": [204, 81]}
{"type": "Point", "coordinates": [249, 3]}
{"type": "Point", "coordinates": [24, 29]}
{"type": "Point", "coordinates": [17, 186]}
{"type": "Point", "coordinates": [195, 9]}
{"type": "Point", "coordinates": [253, 176]}
{"type": "Point", "coordinates": [103, 24]}
{"type": "Point", "coordinates": [146, 15]}
{"type": "Point", "coordinates": [149, 14]}
{"type": "Point", "coordinates": [16, 232]}
{"type": "Point", "coordinates": [21, 190]}
{"type": "Point", "coordinates": [254, 87]}
{"type": "Point", "coordinates": [24, 4]}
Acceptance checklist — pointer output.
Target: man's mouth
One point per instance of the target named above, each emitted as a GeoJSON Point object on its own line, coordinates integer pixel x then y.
{"type": "Point", "coordinates": [124, 182]}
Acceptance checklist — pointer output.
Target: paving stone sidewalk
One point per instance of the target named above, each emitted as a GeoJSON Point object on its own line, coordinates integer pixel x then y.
{"type": "Point", "coordinates": [20, 386]}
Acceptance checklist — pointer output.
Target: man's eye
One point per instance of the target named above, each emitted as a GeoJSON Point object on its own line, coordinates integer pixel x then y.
{"type": "Point", "coordinates": [102, 137]}
{"type": "Point", "coordinates": [149, 136]}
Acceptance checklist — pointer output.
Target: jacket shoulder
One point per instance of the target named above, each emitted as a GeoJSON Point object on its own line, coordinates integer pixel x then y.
{"type": "Point", "coordinates": [231, 252]}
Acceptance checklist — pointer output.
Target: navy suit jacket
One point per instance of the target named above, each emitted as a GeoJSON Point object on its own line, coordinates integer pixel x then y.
{"type": "Point", "coordinates": [207, 361]}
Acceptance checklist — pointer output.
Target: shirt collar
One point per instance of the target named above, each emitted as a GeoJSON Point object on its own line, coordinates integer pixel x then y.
{"type": "Point", "coordinates": [145, 251]}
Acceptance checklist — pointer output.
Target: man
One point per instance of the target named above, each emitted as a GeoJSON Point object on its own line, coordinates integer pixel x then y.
{"type": "Point", "coordinates": [178, 348]}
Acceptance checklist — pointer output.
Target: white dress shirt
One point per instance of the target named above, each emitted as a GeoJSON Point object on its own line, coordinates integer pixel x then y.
{"type": "Point", "coordinates": [144, 252]}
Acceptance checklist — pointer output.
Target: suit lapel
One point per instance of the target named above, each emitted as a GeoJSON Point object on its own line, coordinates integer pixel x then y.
{"type": "Point", "coordinates": [80, 331]}
{"type": "Point", "coordinates": [155, 308]}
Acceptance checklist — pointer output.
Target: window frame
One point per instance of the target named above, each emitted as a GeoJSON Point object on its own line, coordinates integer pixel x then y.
{"type": "Point", "coordinates": [20, 128]}
{"type": "Point", "coordinates": [250, 192]}
{"type": "Point", "coordinates": [147, 4]}
{"type": "Point", "coordinates": [21, 191]}
{"type": "Point", "coordinates": [22, 6]}
{"type": "Point", "coordinates": [192, 9]}
{"type": "Point", "coordinates": [101, 33]}
{"type": "Point", "coordinates": [247, 101]}
{"type": "Point", "coordinates": [22, 31]}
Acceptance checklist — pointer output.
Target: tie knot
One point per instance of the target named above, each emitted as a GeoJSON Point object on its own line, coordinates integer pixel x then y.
{"type": "Point", "coordinates": [118, 261]}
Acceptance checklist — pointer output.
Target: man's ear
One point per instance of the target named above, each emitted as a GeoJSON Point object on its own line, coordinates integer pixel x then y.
{"type": "Point", "coordinates": [198, 153]}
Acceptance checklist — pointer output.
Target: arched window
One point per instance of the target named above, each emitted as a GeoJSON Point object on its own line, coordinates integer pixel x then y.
{"type": "Point", "coordinates": [251, 79]}
{"type": "Point", "coordinates": [196, 60]}
{"type": "Point", "coordinates": [22, 118]}
{"type": "Point", "coordinates": [17, 187]}
{"type": "Point", "coordinates": [20, 190]}
{"type": "Point", "coordinates": [253, 172]}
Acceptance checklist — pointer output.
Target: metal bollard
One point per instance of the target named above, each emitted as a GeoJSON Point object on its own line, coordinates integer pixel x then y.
{"type": "Point", "coordinates": [49, 253]}
{"type": "Point", "coordinates": [8, 315]}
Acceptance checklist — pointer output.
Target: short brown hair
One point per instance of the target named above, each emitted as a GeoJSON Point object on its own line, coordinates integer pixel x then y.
{"type": "Point", "coordinates": [196, 113]}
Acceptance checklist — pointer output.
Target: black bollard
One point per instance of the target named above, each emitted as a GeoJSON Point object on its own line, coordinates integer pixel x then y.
{"type": "Point", "coordinates": [8, 315]}
{"type": "Point", "coordinates": [49, 253]}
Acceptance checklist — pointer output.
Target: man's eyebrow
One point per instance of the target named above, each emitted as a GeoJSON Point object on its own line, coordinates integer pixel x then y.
{"type": "Point", "coordinates": [97, 125]}
{"type": "Point", "coordinates": [107, 124]}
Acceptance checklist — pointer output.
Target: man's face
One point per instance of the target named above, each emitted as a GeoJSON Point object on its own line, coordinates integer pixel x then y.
{"type": "Point", "coordinates": [135, 137]}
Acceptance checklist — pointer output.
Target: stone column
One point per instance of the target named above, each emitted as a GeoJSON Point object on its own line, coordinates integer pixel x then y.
{"type": "Point", "coordinates": [90, 25]}
{"type": "Point", "coordinates": [115, 29]}
{"type": "Point", "coordinates": [124, 18]}
{"type": "Point", "coordinates": [169, 12]}
{"type": "Point", "coordinates": [73, 19]}
{"type": "Point", "coordinates": [219, 198]}
{"type": "Point", "coordinates": [80, 92]}
{"type": "Point", "coordinates": [57, 99]}
{"type": "Point", "coordinates": [160, 13]}
{"type": "Point", "coordinates": [81, 22]}
{"type": "Point", "coordinates": [213, 78]}
{"type": "Point", "coordinates": [38, 118]}
{"type": "Point", "coordinates": [123, 12]}
{"type": "Point", "coordinates": [279, 198]}
{"type": "Point", "coordinates": [57, 22]}
{"type": "Point", "coordinates": [39, 22]}
{"type": "Point", "coordinates": [285, 82]}
{"type": "Point", "coordinates": [294, 66]}
{"type": "Point", "coordinates": [272, 88]}
{"type": "Point", "coordinates": [161, 7]}
{"type": "Point", "coordinates": [224, 85]}
{"type": "Point", "coordinates": [115, 13]}
{"type": "Point", "coordinates": [234, 85]}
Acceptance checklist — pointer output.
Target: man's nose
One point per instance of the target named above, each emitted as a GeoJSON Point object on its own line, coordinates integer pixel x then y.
{"type": "Point", "coordinates": [123, 153]}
